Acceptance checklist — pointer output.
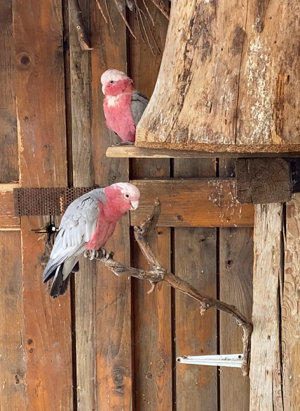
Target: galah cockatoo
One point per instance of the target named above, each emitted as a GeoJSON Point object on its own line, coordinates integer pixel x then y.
{"type": "Point", "coordinates": [87, 224]}
{"type": "Point", "coordinates": [123, 105]}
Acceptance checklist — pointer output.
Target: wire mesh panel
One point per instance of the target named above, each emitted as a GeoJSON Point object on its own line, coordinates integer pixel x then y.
{"type": "Point", "coordinates": [46, 201]}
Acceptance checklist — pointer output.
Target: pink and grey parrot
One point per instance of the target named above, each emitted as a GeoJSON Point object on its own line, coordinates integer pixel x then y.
{"type": "Point", "coordinates": [87, 224]}
{"type": "Point", "coordinates": [123, 105]}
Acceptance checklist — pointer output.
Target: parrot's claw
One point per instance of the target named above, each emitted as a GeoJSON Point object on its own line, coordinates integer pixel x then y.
{"type": "Point", "coordinates": [91, 254]}
{"type": "Point", "coordinates": [152, 287]}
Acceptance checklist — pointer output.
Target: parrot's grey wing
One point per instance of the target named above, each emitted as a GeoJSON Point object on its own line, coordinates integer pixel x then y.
{"type": "Point", "coordinates": [76, 228]}
{"type": "Point", "coordinates": [138, 104]}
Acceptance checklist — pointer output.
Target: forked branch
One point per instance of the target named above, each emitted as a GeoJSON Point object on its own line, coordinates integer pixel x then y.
{"type": "Point", "coordinates": [158, 273]}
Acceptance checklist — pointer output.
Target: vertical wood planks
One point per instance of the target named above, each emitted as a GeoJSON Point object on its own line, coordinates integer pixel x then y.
{"type": "Point", "coordinates": [12, 361]}
{"type": "Point", "coordinates": [236, 264]}
{"type": "Point", "coordinates": [42, 151]}
{"type": "Point", "coordinates": [113, 303]}
{"type": "Point", "coordinates": [290, 308]}
{"type": "Point", "coordinates": [152, 333]}
{"type": "Point", "coordinates": [195, 261]}
{"type": "Point", "coordinates": [235, 287]}
{"type": "Point", "coordinates": [265, 373]}
{"type": "Point", "coordinates": [13, 392]}
{"type": "Point", "coordinates": [82, 169]}
{"type": "Point", "coordinates": [8, 121]}
{"type": "Point", "coordinates": [152, 313]}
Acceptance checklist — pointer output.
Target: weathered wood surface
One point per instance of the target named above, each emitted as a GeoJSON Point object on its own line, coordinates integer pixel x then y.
{"type": "Point", "coordinates": [195, 260]}
{"type": "Point", "coordinates": [82, 175]}
{"type": "Point", "coordinates": [262, 181]}
{"type": "Point", "coordinates": [8, 117]}
{"type": "Point", "coordinates": [12, 346]}
{"type": "Point", "coordinates": [113, 302]}
{"type": "Point", "coordinates": [138, 152]}
{"type": "Point", "coordinates": [235, 287]}
{"type": "Point", "coordinates": [211, 203]}
{"type": "Point", "coordinates": [42, 148]}
{"type": "Point", "coordinates": [236, 266]}
{"type": "Point", "coordinates": [290, 308]}
{"type": "Point", "coordinates": [152, 324]}
{"type": "Point", "coordinates": [229, 79]}
{"type": "Point", "coordinates": [266, 357]}
{"type": "Point", "coordinates": [152, 314]}
{"type": "Point", "coordinates": [8, 221]}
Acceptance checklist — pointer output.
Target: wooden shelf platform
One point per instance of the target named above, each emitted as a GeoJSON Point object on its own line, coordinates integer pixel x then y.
{"type": "Point", "coordinates": [138, 152]}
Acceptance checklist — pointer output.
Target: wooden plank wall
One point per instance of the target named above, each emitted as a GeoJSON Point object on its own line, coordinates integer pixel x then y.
{"type": "Point", "coordinates": [106, 344]}
{"type": "Point", "coordinates": [42, 157]}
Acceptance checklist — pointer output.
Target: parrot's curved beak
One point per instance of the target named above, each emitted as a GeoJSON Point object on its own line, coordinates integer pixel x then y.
{"type": "Point", "coordinates": [134, 205]}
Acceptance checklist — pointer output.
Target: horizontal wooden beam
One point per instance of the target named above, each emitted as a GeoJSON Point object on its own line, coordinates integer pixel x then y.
{"type": "Point", "coordinates": [193, 203]}
{"type": "Point", "coordinates": [185, 203]}
{"type": "Point", "coordinates": [8, 221]}
{"type": "Point", "coordinates": [131, 151]}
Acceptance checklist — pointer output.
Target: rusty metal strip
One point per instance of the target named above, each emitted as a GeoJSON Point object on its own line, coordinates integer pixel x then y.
{"type": "Point", "coordinates": [45, 201]}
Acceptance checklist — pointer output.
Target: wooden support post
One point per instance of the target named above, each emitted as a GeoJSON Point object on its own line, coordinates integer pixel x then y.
{"type": "Point", "coordinates": [266, 371]}
{"type": "Point", "coordinates": [290, 308]}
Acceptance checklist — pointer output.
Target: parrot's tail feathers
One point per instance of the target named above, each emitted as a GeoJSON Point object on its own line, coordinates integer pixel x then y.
{"type": "Point", "coordinates": [50, 271]}
{"type": "Point", "coordinates": [59, 285]}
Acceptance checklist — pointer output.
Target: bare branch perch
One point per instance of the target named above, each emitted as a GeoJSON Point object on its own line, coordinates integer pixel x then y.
{"type": "Point", "coordinates": [76, 16]}
{"type": "Point", "coordinates": [157, 273]}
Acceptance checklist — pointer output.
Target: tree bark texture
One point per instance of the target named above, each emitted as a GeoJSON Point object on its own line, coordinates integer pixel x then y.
{"type": "Point", "coordinates": [229, 79]}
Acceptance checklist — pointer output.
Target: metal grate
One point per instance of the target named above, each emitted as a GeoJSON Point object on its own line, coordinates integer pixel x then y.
{"type": "Point", "coordinates": [46, 201]}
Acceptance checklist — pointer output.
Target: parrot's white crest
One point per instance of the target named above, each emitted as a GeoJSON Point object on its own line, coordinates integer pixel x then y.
{"type": "Point", "coordinates": [112, 75]}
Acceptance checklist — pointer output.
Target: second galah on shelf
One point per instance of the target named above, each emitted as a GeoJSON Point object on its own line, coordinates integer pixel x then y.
{"type": "Point", "coordinates": [123, 105]}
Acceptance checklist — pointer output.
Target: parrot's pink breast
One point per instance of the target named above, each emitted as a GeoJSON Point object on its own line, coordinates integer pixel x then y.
{"type": "Point", "coordinates": [118, 116]}
{"type": "Point", "coordinates": [103, 233]}
{"type": "Point", "coordinates": [107, 220]}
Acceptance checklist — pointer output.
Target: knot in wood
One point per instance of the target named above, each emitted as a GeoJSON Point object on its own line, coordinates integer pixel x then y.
{"type": "Point", "coordinates": [118, 378]}
{"type": "Point", "coordinates": [23, 60]}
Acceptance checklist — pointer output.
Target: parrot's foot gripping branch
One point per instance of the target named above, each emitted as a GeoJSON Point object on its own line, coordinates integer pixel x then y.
{"type": "Point", "coordinates": [157, 273]}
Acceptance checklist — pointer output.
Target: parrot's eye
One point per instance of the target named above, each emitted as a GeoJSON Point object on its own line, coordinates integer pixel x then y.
{"type": "Point", "coordinates": [127, 195]}
{"type": "Point", "coordinates": [111, 81]}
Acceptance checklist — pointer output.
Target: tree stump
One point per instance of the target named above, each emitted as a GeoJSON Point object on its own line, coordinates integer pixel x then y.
{"type": "Point", "coordinates": [229, 79]}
